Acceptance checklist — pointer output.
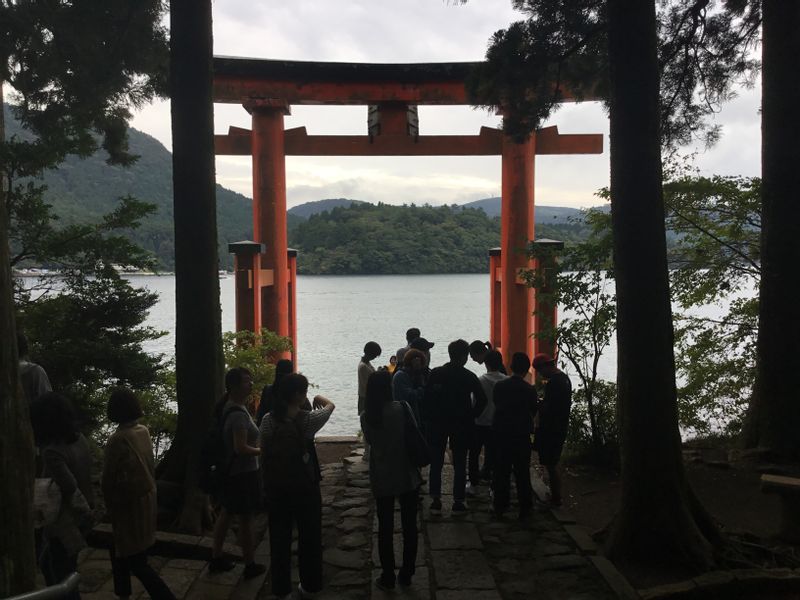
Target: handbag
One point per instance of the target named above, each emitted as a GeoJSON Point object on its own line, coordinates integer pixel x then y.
{"type": "Point", "coordinates": [46, 502]}
{"type": "Point", "coordinates": [416, 447]}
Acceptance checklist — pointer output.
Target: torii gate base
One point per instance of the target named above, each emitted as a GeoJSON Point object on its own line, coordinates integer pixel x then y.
{"type": "Point", "coordinates": [266, 271]}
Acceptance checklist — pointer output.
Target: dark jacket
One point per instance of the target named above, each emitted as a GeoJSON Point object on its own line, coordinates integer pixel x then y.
{"type": "Point", "coordinates": [554, 408]}
{"type": "Point", "coordinates": [448, 398]}
{"type": "Point", "coordinates": [515, 403]}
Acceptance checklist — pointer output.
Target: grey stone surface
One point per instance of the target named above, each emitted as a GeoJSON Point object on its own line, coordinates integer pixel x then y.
{"type": "Point", "coordinates": [561, 561]}
{"type": "Point", "coordinates": [397, 543]}
{"type": "Point", "coordinates": [183, 563]}
{"type": "Point", "coordinates": [582, 539]}
{"type": "Point", "coordinates": [94, 573]}
{"type": "Point", "coordinates": [178, 580]}
{"type": "Point", "coordinates": [454, 536]}
{"type": "Point", "coordinates": [352, 541]}
{"type": "Point", "coordinates": [349, 579]}
{"type": "Point", "coordinates": [356, 511]}
{"type": "Point", "coordinates": [470, 595]}
{"type": "Point", "coordinates": [343, 559]}
{"type": "Point", "coordinates": [462, 570]}
{"type": "Point", "coordinates": [419, 589]}
{"type": "Point", "coordinates": [352, 524]}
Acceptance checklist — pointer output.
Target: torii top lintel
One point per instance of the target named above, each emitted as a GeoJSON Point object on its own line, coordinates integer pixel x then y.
{"type": "Point", "coordinates": [302, 82]}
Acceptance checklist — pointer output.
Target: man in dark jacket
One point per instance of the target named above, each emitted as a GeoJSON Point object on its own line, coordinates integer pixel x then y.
{"type": "Point", "coordinates": [515, 403]}
{"type": "Point", "coordinates": [449, 414]}
{"type": "Point", "coordinates": [554, 410]}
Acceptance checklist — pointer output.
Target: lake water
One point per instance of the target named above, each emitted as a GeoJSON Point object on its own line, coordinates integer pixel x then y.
{"type": "Point", "coordinates": [337, 315]}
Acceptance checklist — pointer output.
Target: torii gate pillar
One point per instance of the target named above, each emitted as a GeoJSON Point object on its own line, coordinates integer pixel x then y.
{"type": "Point", "coordinates": [269, 214]}
{"type": "Point", "coordinates": [516, 298]}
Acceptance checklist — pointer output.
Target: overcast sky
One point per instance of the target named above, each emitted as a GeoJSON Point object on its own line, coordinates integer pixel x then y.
{"type": "Point", "coordinates": [416, 31]}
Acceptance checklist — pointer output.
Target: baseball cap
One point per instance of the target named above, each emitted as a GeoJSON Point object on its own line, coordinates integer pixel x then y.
{"type": "Point", "coordinates": [421, 344]}
{"type": "Point", "coordinates": [542, 359]}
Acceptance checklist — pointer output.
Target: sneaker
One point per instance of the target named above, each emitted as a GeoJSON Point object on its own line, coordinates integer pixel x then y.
{"type": "Point", "coordinates": [304, 595]}
{"type": "Point", "coordinates": [469, 490]}
{"type": "Point", "coordinates": [253, 570]}
{"type": "Point", "coordinates": [459, 507]}
{"type": "Point", "coordinates": [436, 506]}
{"type": "Point", "coordinates": [220, 565]}
{"type": "Point", "coordinates": [404, 579]}
{"type": "Point", "coordinates": [384, 585]}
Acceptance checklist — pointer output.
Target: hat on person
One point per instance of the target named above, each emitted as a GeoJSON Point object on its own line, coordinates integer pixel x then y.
{"type": "Point", "coordinates": [542, 359]}
{"type": "Point", "coordinates": [421, 344]}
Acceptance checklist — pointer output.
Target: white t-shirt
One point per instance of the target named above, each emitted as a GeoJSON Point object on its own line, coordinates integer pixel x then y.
{"type": "Point", "coordinates": [487, 383]}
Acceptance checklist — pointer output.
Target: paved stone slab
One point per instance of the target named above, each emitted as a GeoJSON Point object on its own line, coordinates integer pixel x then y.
{"type": "Point", "coordinates": [185, 563]}
{"type": "Point", "coordinates": [356, 511]}
{"type": "Point", "coordinates": [352, 524]}
{"type": "Point", "coordinates": [94, 573]}
{"type": "Point", "coordinates": [420, 587]}
{"type": "Point", "coordinates": [206, 590]}
{"type": "Point", "coordinates": [349, 579]}
{"type": "Point", "coordinates": [560, 562]}
{"type": "Point", "coordinates": [353, 540]}
{"type": "Point", "coordinates": [351, 502]}
{"type": "Point", "coordinates": [581, 538]}
{"type": "Point", "coordinates": [471, 595]}
{"type": "Point", "coordinates": [343, 559]}
{"type": "Point", "coordinates": [454, 536]}
{"type": "Point", "coordinates": [397, 543]}
{"type": "Point", "coordinates": [178, 580]}
{"type": "Point", "coordinates": [462, 570]}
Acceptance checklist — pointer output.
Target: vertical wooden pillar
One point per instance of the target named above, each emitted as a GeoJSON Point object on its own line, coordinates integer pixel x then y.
{"type": "Point", "coordinates": [516, 299]}
{"type": "Point", "coordinates": [292, 295]}
{"type": "Point", "coordinates": [269, 210]}
{"type": "Point", "coordinates": [545, 307]}
{"type": "Point", "coordinates": [245, 272]}
{"type": "Point", "coordinates": [495, 295]}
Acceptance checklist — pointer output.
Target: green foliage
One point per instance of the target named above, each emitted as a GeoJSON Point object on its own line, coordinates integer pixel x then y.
{"type": "Point", "coordinates": [255, 352]}
{"type": "Point", "coordinates": [718, 254]}
{"type": "Point", "coordinates": [370, 239]}
{"type": "Point", "coordinates": [560, 49]}
{"type": "Point", "coordinates": [583, 442]}
{"type": "Point", "coordinates": [78, 69]}
{"type": "Point", "coordinates": [584, 287]}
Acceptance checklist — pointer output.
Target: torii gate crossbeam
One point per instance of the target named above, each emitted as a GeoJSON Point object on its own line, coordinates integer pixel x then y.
{"type": "Point", "coordinates": [266, 276]}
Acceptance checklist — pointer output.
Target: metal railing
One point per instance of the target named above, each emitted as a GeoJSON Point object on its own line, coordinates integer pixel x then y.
{"type": "Point", "coordinates": [53, 592]}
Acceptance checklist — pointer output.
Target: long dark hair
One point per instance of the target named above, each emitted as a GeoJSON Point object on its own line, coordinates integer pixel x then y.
{"type": "Point", "coordinates": [291, 385]}
{"type": "Point", "coordinates": [53, 420]}
{"type": "Point", "coordinates": [379, 393]}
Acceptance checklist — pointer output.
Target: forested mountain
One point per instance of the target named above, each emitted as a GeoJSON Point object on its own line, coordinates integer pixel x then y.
{"type": "Point", "coordinates": [368, 239]}
{"type": "Point", "coordinates": [336, 235]}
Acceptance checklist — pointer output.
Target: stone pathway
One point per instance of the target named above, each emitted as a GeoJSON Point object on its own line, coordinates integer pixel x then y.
{"type": "Point", "coordinates": [472, 556]}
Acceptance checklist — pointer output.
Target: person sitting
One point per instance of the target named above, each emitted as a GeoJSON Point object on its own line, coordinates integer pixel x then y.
{"type": "Point", "coordinates": [67, 459]}
{"type": "Point", "coordinates": [241, 494]}
{"type": "Point", "coordinates": [129, 489]}
{"type": "Point", "coordinates": [392, 366]}
{"type": "Point", "coordinates": [515, 407]}
{"type": "Point", "coordinates": [391, 476]}
{"type": "Point", "coordinates": [291, 482]}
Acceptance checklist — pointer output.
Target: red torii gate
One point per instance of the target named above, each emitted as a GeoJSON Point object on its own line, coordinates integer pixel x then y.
{"type": "Point", "coordinates": [266, 268]}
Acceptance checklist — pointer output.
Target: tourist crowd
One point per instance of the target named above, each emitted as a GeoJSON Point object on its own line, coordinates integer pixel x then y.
{"type": "Point", "coordinates": [266, 460]}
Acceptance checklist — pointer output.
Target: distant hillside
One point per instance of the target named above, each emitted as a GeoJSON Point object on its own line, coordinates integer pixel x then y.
{"type": "Point", "coordinates": [84, 189]}
{"type": "Point", "coordinates": [542, 214]}
{"type": "Point", "coordinates": [307, 209]}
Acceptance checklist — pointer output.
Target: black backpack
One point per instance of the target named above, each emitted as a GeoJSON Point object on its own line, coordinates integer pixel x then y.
{"type": "Point", "coordinates": [214, 460]}
{"type": "Point", "coordinates": [289, 468]}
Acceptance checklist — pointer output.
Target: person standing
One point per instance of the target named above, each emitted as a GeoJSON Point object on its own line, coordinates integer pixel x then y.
{"type": "Point", "coordinates": [372, 350]}
{"type": "Point", "coordinates": [391, 476]}
{"type": "Point", "coordinates": [129, 489]}
{"type": "Point", "coordinates": [551, 432]}
{"type": "Point", "coordinates": [449, 416]}
{"type": "Point", "coordinates": [32, 376]}
{"type": "Point", "coordinates": [412, 333]}
{"type": "Point", "coordinates": [241, 494]}
{"type": "Point", "coordinates": [67, 459]}
{"type": "Point", "coordinates": [408, 382]}
{"type": "Point", "coordinates": [484, 439]}
{"type": "Point", "coordinates": [291, 481]}
{"type": "Point", "coordinates": [515, 406]}
{"type": "Point", "coordinates": [283, 367]}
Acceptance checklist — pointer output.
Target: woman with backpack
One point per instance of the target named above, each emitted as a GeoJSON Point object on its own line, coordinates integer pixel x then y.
{"type": "Point", "coordinates": [67, 460]}
{"type": "Point", "coordinates": [391, 475]}
{"type": "Point", "coordinates": [241, 493]}
{"type": "Point", "coordinates": [129, 489]}
{"type": "Point", "coordinates": [291, 482]}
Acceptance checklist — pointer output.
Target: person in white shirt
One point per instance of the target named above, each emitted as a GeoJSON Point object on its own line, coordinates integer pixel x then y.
{"type": "Point", "coordinates": [483, 424]}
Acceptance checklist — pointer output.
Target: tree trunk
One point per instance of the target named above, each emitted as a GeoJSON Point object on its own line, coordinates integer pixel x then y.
{"type": "Point", "coordinates": [656, 521]}
{"type": "Point", "coordinates": [17, 561]}
{"type": "Point", "coordinates": [774, 419]}
{"type": "Point", "coordinates": [198, 345]}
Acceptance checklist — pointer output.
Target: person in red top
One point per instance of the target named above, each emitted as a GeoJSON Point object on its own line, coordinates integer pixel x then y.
{"type": "Point", "coordinates": [551, 433]}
